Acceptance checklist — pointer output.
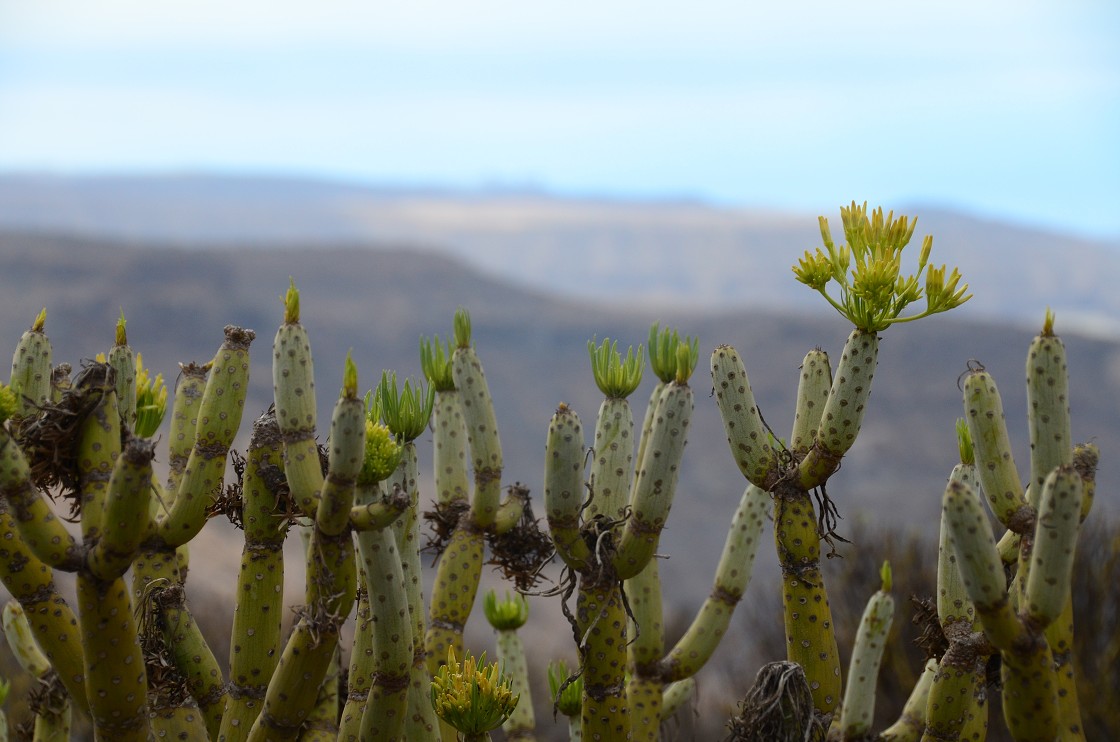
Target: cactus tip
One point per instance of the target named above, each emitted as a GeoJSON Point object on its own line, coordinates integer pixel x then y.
{"type": "Point", "coordinates": [40, 321]}
{"type": "Point", "coordinates": [885, 575]}
{"type": "Point", "coordinates": [291, 303]}
{"type": "Point", "coordinates": [121, 336]}
{"type": "Point", "coordinates": [1048, 323]}
{"type": "Point", "coordinates": [350, 377]}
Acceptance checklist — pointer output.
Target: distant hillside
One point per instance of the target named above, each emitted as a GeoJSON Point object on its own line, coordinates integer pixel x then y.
{"type": "Point", "coordinates": [607, 252]}
{"type": "Point", "coordinates": [378, 302]}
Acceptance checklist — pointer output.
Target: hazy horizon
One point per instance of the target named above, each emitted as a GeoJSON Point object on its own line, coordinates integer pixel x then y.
{"type": "Point", "coordinates": [1002, 110]}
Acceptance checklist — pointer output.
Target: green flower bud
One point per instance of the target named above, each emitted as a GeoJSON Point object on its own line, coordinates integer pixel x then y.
{"type": "Point", "coordinates": [508, 614]}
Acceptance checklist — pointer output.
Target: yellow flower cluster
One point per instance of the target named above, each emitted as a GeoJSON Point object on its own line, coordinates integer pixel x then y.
{"type": "Point", "coordinates": [472, 696]}
{"type": "Point", "coordinates": [874, 293]}
{"type": "Point", "coordinates": [382, 454]}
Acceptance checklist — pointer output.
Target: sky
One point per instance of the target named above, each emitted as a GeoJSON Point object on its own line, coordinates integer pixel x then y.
{"type": "Point", "coordinates": [1008, 109]}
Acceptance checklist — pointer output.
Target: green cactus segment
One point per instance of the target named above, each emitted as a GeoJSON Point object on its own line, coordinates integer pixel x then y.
{"type": "Point", "coordinates": [998, 475]}
{"type": "Point", "coordinates": [359, 677]}
{"type": "Point", "coordinates": [1086, 456]}
{"type": "Point", "coordinates": [954, 696]}
{"type": "Point", "coordinates": [322, 722]}
{"type": "Point", "coordinates": [258, 612]}
{"type": "Point", "coordinates": [746, 433]}
{"type": "Point", "coordinates": [379, 513]}
{"type": "Point", "coordinates": [843, 412]}
{"type": "Point", "coordinates": [1048, 408]}
{"type": "Point", "coordinates": [306, 659]}
{"type": "Point", "coordinates": [31, 368]}
{"type": "Point", "coordinates": [482, 434]}
{"type": "Point", "coordinates": [388, 670]}
{"type": "Point", "coordinates": [613, 466]}
{"type": "Point", "coordinates": [449, 444]}
{"type": "Point", "coordinates": [736, 564]}
{"type": "Point", "coordinates": [219, 417]}
{"type": "Point", "coordinates": [912, 721]}
{"type": "Point", "coordinates": [1047, 589]}
{"type": "Point", "coordinates": [22, 642]}
{"type": "Point", "coordinates": [953, 605]}
{"type": "Point", "coordinates": [123, 362]}
{"type": "Point", "coordinates": [1030, 706]}
{"type": "Point", "coordinates": [812, 395]}
{"type": "Point", "coordinates": [810, 636]}
{"type": "Point", "coordinates": [293, 387]}
{"type": "Point", "coordinates": [453, 594]}
{"type": "Point", "coordinates": [858, 709]}
{"type": "Point", "coordinates": [563, 487]}
{"type": "Point", "coordinates": [180, 721]}
{"type": "Point", "coordinates": [99, 444]}
{"type": "Point", "coordinates": [39, 528]}
{"type": "Point", "coordinates": [114, 665]}
{"type": "Point", "coordinates": [53, 623]}
{"type": "Point", "coordinates": [601, 618]}
{"type": "Point", "coordinates": [184, 422]}
{"type": "Point", "coordinates": [978, 562]}
{"type": "Point", "coordinates": [646, 632]}
{"type": "Point", "coordinates": [507, 616]}
{"type": "Point", "coordinates": [421, 718]}
{"type": "Point", "coordinates": [52, 717]}
{"type": "Point", "coordinates": [126, 522]}
{"type": "Point", "coordinates": [656, 481]}
{"type": "Point", "coordinates": [191, 654]}
{"type": "Point", "coordinates": [346, 455]}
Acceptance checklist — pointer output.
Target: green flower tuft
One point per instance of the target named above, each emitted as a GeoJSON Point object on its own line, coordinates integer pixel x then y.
{"type": "Point", "coordinates": [473, 697]}
{"type": "Point", "coordinates": [667, 351]}
{"type": "Point", "coordinates": [291, 303]}
{"type": "Point", "coordinates": [382, 454]}
{"type": "Point", "coordinates": [462, 324]}
{"type": "Point", "coordinates": [964, 442]}
{"type": "Point", "coordinates": [567, 699]}
{"type": "Point", "coordinates": [151, 400]}
{"type": "Point", "coordinates": [874, 291]}
{"type": "Point", "coordinates": [406, 412]}
{"type": "Point", "coordinates": [508, 614]}
{"type": "Point", "coordinates": [616, 378]}
{"type": "Point", "coordinates": [436, 364]}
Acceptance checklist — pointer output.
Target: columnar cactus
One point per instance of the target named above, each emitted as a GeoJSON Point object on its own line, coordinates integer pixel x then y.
{"type": "Point", "coordinates": [873, 294]}
{"type": "Point", "coordinates": [1039, 697]}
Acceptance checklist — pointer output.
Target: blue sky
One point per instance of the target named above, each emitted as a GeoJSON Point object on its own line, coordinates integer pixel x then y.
{"type": "Point", "coordinates": [1009, 109]}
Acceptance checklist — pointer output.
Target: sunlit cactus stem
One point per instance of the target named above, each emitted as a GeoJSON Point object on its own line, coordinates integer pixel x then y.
{"type": "Point", "coordinates": [189, 389]}
{"type": "Point", "coordinates": [53, 709]}
{"type": "Point", "coordinates": [406, 412]}
{"type": "Point", "coordinates": [293, 386]}
{"type": "Point", "coordinates": [449, 431]}
{"type": "Point", "coordinates": [258, 612]}
{"type": "Point", "coordinates": [219, 417]}
{"type": "Point", "coordinates": [331, 578]}
{"type": "Point", "coordinates": [613, 465]}
{"type": "Point", "coordinates": [123, 361]}
{"type": "Point", "coordinates": [858, 709]}
{"type": "Point", "coordinates": [31, 368]}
